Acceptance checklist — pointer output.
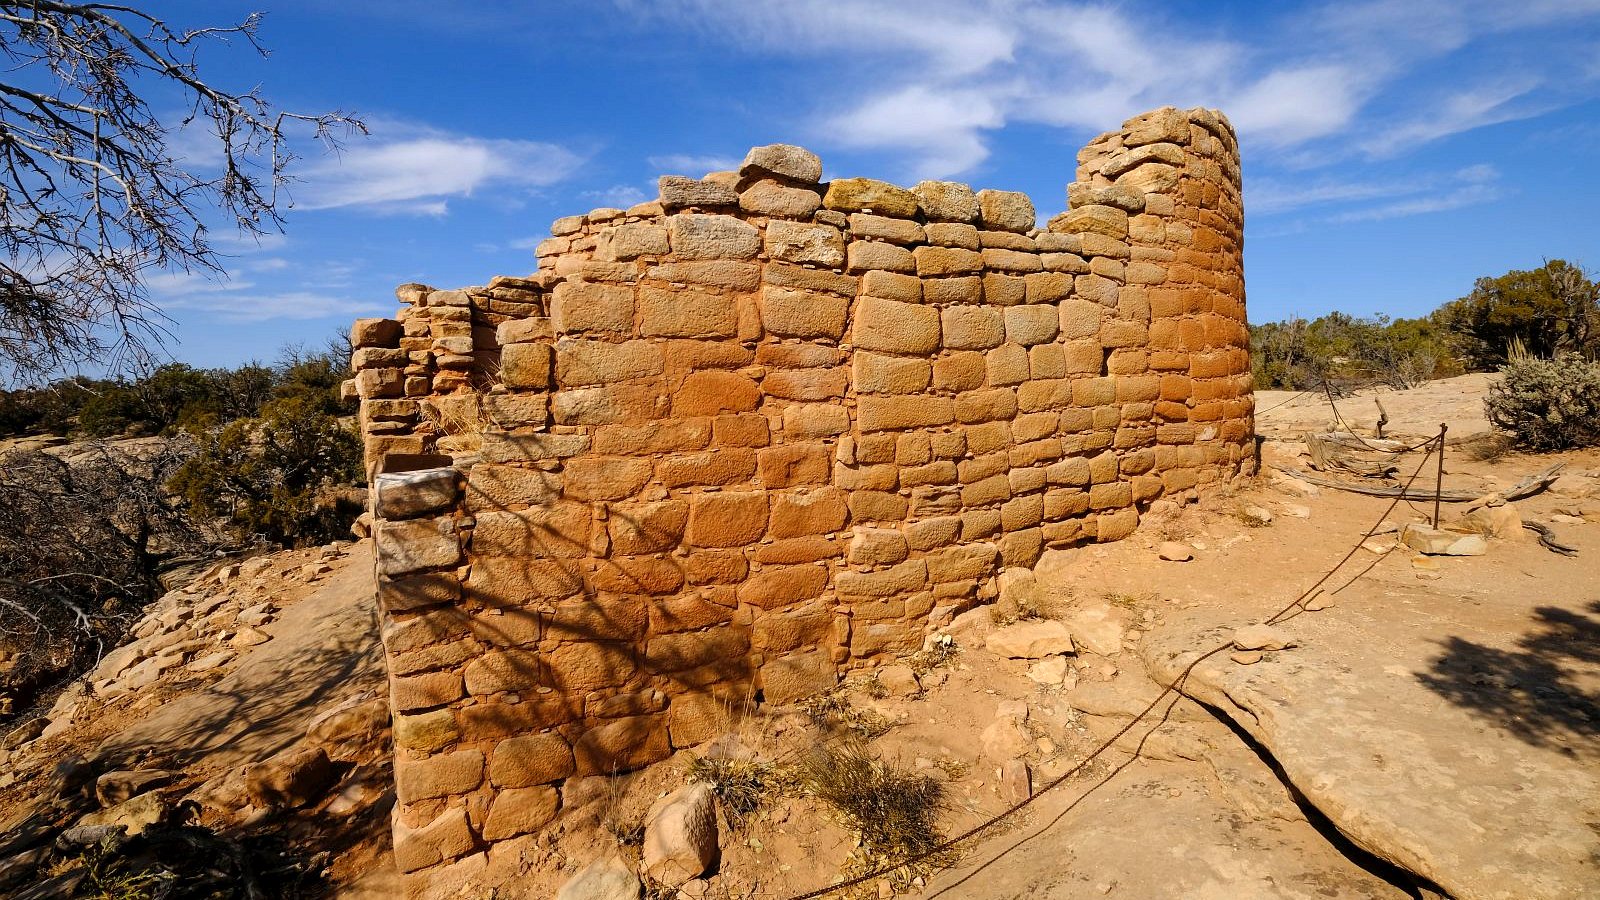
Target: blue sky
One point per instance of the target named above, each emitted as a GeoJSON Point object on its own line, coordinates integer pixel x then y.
{"type": "Point", "coordinates": [1392, 151]}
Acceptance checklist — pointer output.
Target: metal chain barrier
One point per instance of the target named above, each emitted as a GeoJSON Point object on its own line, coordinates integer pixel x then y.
{"type": "Point", "coordinates": [1294, 608]}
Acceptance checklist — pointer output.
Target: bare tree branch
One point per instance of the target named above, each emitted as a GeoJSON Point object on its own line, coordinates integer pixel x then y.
{"type": "Point", "coordinates": [95, 198]}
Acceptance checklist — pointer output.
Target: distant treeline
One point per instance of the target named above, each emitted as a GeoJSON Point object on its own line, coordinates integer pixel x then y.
{"type": "Point", "coordinates": [1542, 313]}
{"type": "Point", "coordinates": [175, 397]}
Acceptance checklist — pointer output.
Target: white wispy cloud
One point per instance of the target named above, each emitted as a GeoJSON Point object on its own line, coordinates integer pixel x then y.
{"type": "Point", "coordinates": [935, 79]}
{"type": "Point", "coordinates": [1476, 107]}
{"type": "Point", "coordinates": [247, 307]}
{"type": "Point", "coordinates": [1465, 195]}
{"type": "Point", "coordinates": [233, 241]}
{"type": "Point", "coordinates": [618, 195]}
{"type": "Point", "coordinates": [693, 165]}
{"type": "Point", "coordinates": [414, 169]}
{"type": "Point", "coordinates": [1376, 200]}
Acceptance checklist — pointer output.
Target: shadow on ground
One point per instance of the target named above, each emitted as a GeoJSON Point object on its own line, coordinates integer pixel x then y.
{"type": "Point", "coordinates": [1545, 690]}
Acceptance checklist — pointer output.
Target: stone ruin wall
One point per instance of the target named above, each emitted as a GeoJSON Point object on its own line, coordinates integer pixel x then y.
{"type": "Point", "coordinates": [727, 443]}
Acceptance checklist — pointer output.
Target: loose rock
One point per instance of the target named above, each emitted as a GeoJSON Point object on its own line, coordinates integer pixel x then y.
{"type": "Point", "coordinates": [1030, 640]}
{"type": "Point", "coordinates": [680, 835]}
{"type": "Point", "coordinates": [1172, 551]}
{"type": "Point", "coordinates": [289, 780]}
{"type": "Point", "coordinates": [1263, 637]}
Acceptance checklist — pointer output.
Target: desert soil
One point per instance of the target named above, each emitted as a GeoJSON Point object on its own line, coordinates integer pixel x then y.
{"type": "Point", "coordinates": [1434, 728]}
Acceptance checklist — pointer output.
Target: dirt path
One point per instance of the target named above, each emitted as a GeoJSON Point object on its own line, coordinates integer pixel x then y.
{"type": "Point", "coordinates": [324, 648]}
{"type": "Point", "coordinates": [1417, 412]}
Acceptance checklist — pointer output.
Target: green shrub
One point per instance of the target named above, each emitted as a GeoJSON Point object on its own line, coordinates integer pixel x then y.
{"type": "Point", "coordinates": [1548, 404]}
{"type": "Point", "coordinates": [279, 476]}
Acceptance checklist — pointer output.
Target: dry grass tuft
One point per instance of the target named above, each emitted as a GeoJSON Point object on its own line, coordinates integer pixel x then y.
{"type": "Point", "coordinates": [893, 811]}
{"type": "Point", "coordinates": [743, 786]}
{"type": "Point", "coordinates": [1242, 513]}
{"type": "Point", "coordinates": [834, 711]}
{"type": "Point", "coordinates": [939, 655]}
{"type": "Point", "coordinates": [1488, 448]}
{"type": "Point", "coordinates": [1132, 601]}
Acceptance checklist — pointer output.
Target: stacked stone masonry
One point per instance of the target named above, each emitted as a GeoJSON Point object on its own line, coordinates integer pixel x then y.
{"type": "Point", "coordinates": [727, 443]}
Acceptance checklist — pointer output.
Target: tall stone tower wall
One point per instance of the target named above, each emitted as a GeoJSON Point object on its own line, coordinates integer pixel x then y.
{"type": "Point", "coordinates": [724, 444]}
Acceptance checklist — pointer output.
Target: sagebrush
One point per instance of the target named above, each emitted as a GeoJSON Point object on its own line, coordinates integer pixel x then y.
{"type": "Point", "coordinates": [1547, 404]}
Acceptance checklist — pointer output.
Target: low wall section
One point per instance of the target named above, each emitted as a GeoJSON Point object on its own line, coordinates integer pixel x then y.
{"type": "Point", "coordinates": [725, 443]}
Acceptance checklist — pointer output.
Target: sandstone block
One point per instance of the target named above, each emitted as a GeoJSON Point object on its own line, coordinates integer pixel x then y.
{"type": "Point", "coordinates": [1029, 325]}
{"type": "Point", "coordinates": [622, 745]}
{"type": "Point", "coordinates": [1150, 178]}
{"type": "Point", "coordinates": [423, 691]}
{"type": "Point", "coordinates": [936, 261]}
{"type": "Point", "coordinates": [290, 779]}
{"type": "Point", "coordinates": [811, 421]}
{"type": "Point", "coordinates": [417, 544]}
{"type": "Point", "coordinates": [1036, 639]}
{"type": "Point", "coordinates": [518, 811]}
{"type": "Point", "coordinates": [375, 333]}
{"type": "Point", "coordinates": [725, 466]}
{"type": "Point", "coordinates": [875, 373]}
{"type": "Point", "coordinates": [886, 413]}
{"type": "Point", "coordinates": [406, 494]}
{"type": "Point", "coordinates": [803, 314]}
{"type": "Point", "coordinates": [877, 546]}
{"type": "Point", "coordinates": [379, 383]}
{"type": "Point", "coordinates": [1167, 124]}
{"type": "Point", "coordinates": [1116, 525]}
{"type": "Point", "coordinates": [958, 289]}
{"type": "Point", "coordinates": [815, 512]}
{"type": "Point", "coordinates": [947, 201]}
{"type": "Point", "coordinates": [448, 836]}
{"type": "Point", "coordinates": [648, 527]}
{"type": "Point", "coordinates": [703, 236]}
{"type": "Point", "coordinates": [582, 362]}
{"type": "Point", "coordinates": [1103, 220]}
{"type": "Point", "coordinates": [725, 519]}
{"type": "Point", "coordinates": [959, 371]}
{"type": "Point", "coordinates": [502, 447]}
{"type": "Point", "coordinates": [621, 243]}
{"type": "Point", "coordinates": [806, 384]}
{"type": "Point", "coordinates": [903, 578]}
{"type": "Point", "coordinates": [1011, 260]}
{"type": "Point", "coordinates": [794, 464]}
{"type": "Point", "coordinates": [530, 759]}
{"type": "Point", "coordinates": [972, 327]}
{"type": "Point", "coordinates": [686, 313]}
{"type": "Point", "coordinates": [769, 197]}
{"type": "Point", "coordinates": [379, 358]}
{"type": "Point", "coordinates": [799, 675]}
{"type": "Point", "coordinates": [799, 243]}
{"type": "Point", "coordinates": [895, 327]}
{"type": "Point", "coordinates": [427, 731]}
{"type": "Point", "coordinates": [678, 192]}
{"type": "Point", "coordinates": [781, 274]}
{"type": "Point", "coordinates": [778, 586]}
{"type": "Point", "coordinates": [877, 255]}
{"type": "Point", "coordinates": [867, 195]}
{"type": "Point", "coordinates": [439, 775]}
{"type": "Point", "coordinates": [579, 306]}
{"type": "Point", "coordinates": [1006, 211]}
{"type": "Point", "coordinates": [882, 228]}
{"type": "Point", "coordinates": [604, 477]}
{"type": "Point", "coordinates": [712, 392]}
{"type": "Point", "coordinates": [786, 160]}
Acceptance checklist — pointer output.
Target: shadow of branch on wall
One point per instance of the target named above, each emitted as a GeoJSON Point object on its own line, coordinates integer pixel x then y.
{"type": "Point", "coordinates": [1545, 690]}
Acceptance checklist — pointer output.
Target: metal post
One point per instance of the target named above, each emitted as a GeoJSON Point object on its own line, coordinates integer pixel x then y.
{"type": "Point", "coordinates": [1438, 483]}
